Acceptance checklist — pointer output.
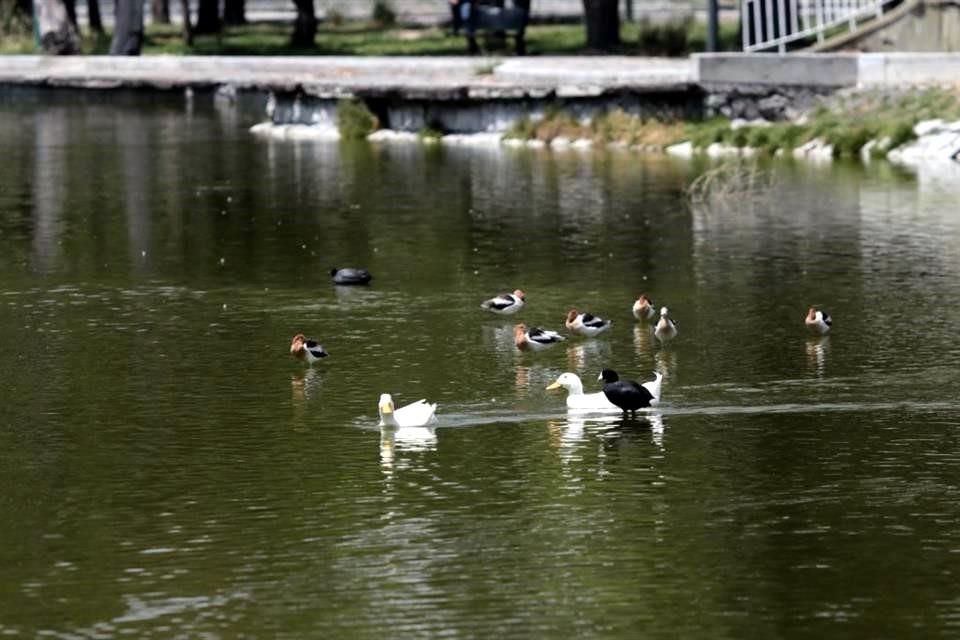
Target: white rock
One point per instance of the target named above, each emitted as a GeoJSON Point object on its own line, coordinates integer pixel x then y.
{"type": "Point", "coordinates": [474, 139]}
{"type": "Point", "coordinates": [681, 150]}
{"type": "Point", "coordinates": [560, 142]}
{"type": "Point", "coordinates": [926, 127]}
{"type": "Point", "coordinates": [815, 149]}
{"type": "Point", "coordinates": [295, 131]}
{"type": "Point", "coordinates": [582, 143]}
{"type": "Point", "coordinates": [720, 150]}
{"type": "Point", "coordinates": [936, 146]}
{"type": "Point", "coordinates": [389, 135]}
{"type": "Point", "coordinates": [741, 123]}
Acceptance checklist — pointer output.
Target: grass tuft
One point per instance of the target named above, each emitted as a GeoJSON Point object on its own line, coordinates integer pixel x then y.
{"type": "Point", "coordinates": [354, 120]}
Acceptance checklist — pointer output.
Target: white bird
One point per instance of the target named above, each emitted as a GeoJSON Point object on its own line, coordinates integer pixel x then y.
{"type": "Point", "coordinates": [534, 338]}
{"type": "Point", "coordinates": [643, 308]}
{"type": "Point", "coordinates": [654, 386]}
{"type": "Point", "coordinates": [505, 303]}
{"type": "Point", "coordinates": [666, 328]}
{"type": "Point", "coordinates": [586, 323]}
{"type": "Point", "coordinates": [578, 400]}
{"type": "Point", "coordinates": [416, 414]}
{"type": "Point", "coordinates": [818, 320]}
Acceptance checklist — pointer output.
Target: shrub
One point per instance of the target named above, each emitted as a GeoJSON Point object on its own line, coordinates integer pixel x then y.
{"type": "Point", "coordinates": [667, 39]}
{"type": "Point", "coordinates": [383, 13]}
{"type": "Point", "coordinates": [354, 119]}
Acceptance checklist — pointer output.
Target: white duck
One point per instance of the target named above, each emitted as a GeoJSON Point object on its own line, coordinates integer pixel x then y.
{"type": "Point", "coordinates": [416, 414]}
{"type": "Point", "coordinates": [666, 328]}
{"type": "Point", "coordinates": [580, 401]}
{"type": "Point", "coordinates": [654, 386]}
{"type": "Point", "coordinates": [586, 324]}
{"type": "Point", "coordinates": [505, 303]}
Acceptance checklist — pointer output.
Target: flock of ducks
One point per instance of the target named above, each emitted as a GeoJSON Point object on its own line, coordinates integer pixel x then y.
{"type": "Point", "coordinates": [617, 395]}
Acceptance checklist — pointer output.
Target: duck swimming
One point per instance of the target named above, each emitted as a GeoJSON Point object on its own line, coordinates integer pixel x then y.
{"type": "Point", "coordinates": [666, 328]}
{"type": "Point", "coordinates": [586, 324]}
{"type": "Point", "coordinates": [304, 348]}
{"type": "Point", "coordinates": [643, 309]}
{"type": "Point", "coordinates": [534, 338]}
{"type": "Point", "coordinates": [577, 399]}
{"type": "Point", "coordinates": [505, 303]}
{"type": "Point", "coordinates": [415, 414]}
{"type": "Point", "coordinates": [818, 320]}
{"type": "Point", "coordinates": [350, 276]}
{"type": "Point", "coordinates": [630, 395]}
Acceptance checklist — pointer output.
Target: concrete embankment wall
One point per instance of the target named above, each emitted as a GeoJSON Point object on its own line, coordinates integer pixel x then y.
{"type": "Point", "coordinates": [462, 94]}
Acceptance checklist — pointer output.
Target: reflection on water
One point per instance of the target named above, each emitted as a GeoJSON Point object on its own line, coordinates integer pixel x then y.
{"type": "Point", "coordinates": [173, 472]}
{"type": "Point", "coordinates": [583, 355]}
{"type": "Point", "coordinates": [305, 385]}
{"type": "Point", "coordinates": [818, 350]}
{"type": "Point", "coordinates": [579, 431]}
{"type": "Point", "coordinates": [643, 339]}
{"type": "Point", "coordinates": [666, 363]}
{"type": "Point", "coordinates": [395, 441]}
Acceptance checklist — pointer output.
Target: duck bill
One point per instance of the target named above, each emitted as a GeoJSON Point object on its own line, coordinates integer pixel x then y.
{"type": "Point", "coordinates": [555, 385]}
{"type": "Point", "coordinates": [386, 409]}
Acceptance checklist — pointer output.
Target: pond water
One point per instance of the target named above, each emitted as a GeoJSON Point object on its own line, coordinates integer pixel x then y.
{"type": "Point", "coordinates": [168, 470]}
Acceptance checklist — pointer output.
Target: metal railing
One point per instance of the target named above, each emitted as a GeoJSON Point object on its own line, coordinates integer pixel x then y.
{"type": "Point", "coordinates": [773, 24]}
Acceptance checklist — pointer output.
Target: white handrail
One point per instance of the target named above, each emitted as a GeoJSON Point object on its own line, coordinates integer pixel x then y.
{"type": "Point", "coordinates": [773, 24]}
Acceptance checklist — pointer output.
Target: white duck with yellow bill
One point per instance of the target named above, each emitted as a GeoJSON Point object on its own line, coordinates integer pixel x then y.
{"type": "Point", "coordinates": [577, 400]}
{"type": "Point", "coordinates": [417, 414]}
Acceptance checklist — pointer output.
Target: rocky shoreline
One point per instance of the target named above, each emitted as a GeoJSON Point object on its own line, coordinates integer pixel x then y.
{"type": "Point", "coordinates": [903, 136]}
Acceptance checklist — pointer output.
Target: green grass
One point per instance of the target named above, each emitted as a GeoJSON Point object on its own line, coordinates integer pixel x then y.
{"type": "Point", "coordinates": [380, 38]}
{"type": "Point", "coordinates": [846, 122]}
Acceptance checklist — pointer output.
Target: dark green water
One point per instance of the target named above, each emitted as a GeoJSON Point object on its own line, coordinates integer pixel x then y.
{"type": "Point", "coordinates": [168, 471]}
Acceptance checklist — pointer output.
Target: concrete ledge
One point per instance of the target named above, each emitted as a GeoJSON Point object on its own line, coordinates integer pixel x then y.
{"type": "Point", "coordinates": [477, 80]}
{"type": "Point", "coordinates": [908, 69]}
{"type": "Point", "coordinates": [814, 70]}
{"type": "Point", "coordinates": [440, 78]}
{"type": "Point", "coordinates": [618, 71]}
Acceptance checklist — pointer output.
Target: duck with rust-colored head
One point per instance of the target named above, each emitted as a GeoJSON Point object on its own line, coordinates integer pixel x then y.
{"type": "Point", "coordinates": [534, 338]}
{"type": "Point", "coordinates": [817, 320]}
{"type": "Point", "coordinates": [586, 324]}
{"type": "Point", "coordinates": [304, 348]}
{"type": "Point", "coordinates": [505, 303]}
{"type": "Point", "coordinates": [643, 309]}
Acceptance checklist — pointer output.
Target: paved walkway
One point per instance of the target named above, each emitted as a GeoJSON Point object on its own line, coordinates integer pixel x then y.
{"type": "Point", "coordinates": [461, 77]}
{"type": "Point", "coordinates": [411, 77]}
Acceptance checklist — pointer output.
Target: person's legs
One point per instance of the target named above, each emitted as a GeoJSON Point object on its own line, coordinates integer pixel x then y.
{"type": "Point", "coordinates": [455, 21]}
{"type": "Point", "coordinates": [468, 17]}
